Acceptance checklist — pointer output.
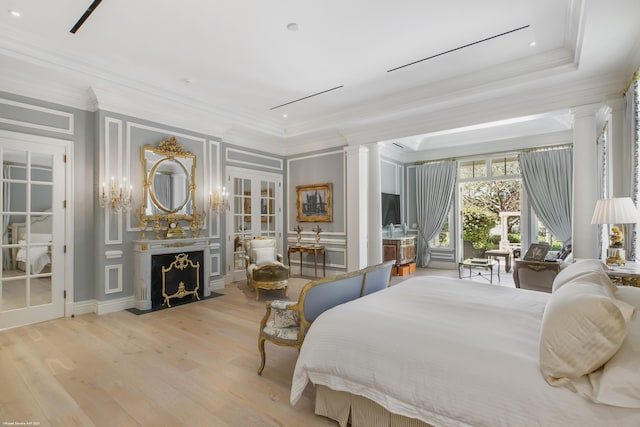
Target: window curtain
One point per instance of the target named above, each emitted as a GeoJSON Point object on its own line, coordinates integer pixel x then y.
{"type": "Point", "coordinates": [631, 135]}
{"type": "Point", "coordinates": [162, 190]}
{"type": "Point", "coordinates": [547, 177]}
{"type": "Point", "coordinates": [435, 185]}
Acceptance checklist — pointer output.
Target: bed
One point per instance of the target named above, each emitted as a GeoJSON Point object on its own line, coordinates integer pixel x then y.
{"type": "Point", "coordinates": [39, 257]}
{"type": "Point", "coordinates": [449, 352]}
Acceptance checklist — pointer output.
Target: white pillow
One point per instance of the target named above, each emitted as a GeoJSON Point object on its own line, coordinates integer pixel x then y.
{"type": "Point", "coordinates": [578, 269]}
{"type": "Point", "coordinates": [618, 382]}
{"type": "Point", "coordinates": [263, 243]}
{"type": "Point", "coordinates": [583, 326]}
{"type": "Point", "coordinates": [264, 256]}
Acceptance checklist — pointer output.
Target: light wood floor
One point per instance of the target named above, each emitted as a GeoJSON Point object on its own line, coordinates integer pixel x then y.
{"type": "Point", "coordinates": [192, 365]}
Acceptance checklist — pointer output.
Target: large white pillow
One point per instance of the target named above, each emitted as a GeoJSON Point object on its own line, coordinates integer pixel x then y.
{"type": "Point", "coordinates": [264, 256]}
{"type": "Point", "coordinates": [579, 268]}
{"type": "Point", "coordinates": [618, 382]}
{"type": "Point", "coordinates": [583, 326]}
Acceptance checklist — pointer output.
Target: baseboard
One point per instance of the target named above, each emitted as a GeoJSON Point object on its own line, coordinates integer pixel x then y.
{"type": "Point", "coordinates": [103, 307]}
{"type": "Point", "coordinates": [217, 284]}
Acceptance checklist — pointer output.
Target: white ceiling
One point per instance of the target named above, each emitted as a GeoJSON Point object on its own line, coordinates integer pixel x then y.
{"type": "Point", "coordinates": [235, 61]}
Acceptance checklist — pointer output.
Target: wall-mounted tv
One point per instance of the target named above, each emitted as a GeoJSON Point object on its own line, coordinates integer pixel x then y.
{"type": "Point", "coordinates": [390, 209]}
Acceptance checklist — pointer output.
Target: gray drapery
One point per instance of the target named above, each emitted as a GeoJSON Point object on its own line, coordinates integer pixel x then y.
{"type": "Point", "coordinates": [547, 177]}
{"type": "Point", "coordinates": [435, 185]}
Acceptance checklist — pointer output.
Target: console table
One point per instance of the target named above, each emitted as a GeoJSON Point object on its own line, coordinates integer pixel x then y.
{"type": "Point", "coordinates": [628, 274]}
{"type": "Point", "coordinates": [314, 250]}
{"type": "Point", "coordinates": [399, 249]}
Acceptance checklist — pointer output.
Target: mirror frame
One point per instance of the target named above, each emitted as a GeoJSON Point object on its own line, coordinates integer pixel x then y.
{"type": "Point", "coordinates": [169, 149]}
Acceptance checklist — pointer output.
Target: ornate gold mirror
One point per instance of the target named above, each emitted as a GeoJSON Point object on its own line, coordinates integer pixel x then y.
{"type": "Point", "coordinates": [169, 188]}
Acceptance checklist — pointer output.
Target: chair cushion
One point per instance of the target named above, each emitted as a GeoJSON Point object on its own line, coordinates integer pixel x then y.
{"type": "Point", "coordinates": [283, 317]}
{"type": "Point", "coordinates": [264, 256]}
{"type": "Point", "coordinates": [583, 326]}
{"type": "Point", "coordinates": [288, 334]}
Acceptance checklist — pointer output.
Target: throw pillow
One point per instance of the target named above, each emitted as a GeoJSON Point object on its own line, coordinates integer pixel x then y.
{"type": "Point", "coordinates": [583, 326]}
{"type": "Point", "coordinates": [574, 271]}
{"type": "Point", "coordinates": [264, 256]}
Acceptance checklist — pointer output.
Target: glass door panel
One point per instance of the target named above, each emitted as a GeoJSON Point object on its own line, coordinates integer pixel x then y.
{"type": "Point", "coordinates": [27, 212]}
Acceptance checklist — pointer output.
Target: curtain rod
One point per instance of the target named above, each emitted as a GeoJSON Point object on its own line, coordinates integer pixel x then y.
{"type": "Point", "coordinates": [497, 153]}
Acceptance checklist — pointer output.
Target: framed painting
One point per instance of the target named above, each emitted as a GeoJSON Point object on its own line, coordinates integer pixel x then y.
{"type": "Point", "coordinates": [537, 252]}
{"type": "Point", "coordinates": [314, 203]}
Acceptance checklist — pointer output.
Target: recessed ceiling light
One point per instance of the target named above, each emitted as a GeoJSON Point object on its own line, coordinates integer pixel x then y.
{"type": "Point", "coordinates": [284, 116]}
{"type": "Point", "coordinates": [15, 13]}
{"type": "Point", "coordinates": [187, 80]}
{"type": "Point", "coordinates": [532, 44]}
{"type": "Point", "coordinates": [292, 26]}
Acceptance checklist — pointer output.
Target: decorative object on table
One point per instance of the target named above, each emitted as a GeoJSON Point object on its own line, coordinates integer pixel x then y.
{"type": "Point", "coordinates": [298, 231]}
{"type": "Point", "coordinates": [391, 229]}
{"type": "Point", "coordinates": [314, 203]}
{"type": "Point", "coordinates": [174, 228]}
{"type": "Point", "coordinates": [537, 252]}
{"type": "Point", "coordinates": [317, 230]}
{"type": "Point", "coordinates": [618, 210]}
{"type": "Point", "coordinates": [405, 228]}
{"type": "Point", "coordinates": [157, 228]}
{"type": "Point", "coordinates": [197, 223]}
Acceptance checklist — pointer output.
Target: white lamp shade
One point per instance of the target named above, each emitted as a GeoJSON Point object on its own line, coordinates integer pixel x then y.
{"type": "Point", "coordinates": [619, 210]}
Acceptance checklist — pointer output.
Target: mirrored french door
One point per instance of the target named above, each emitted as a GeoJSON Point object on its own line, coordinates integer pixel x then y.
{"type": "Point", "coordinates": [256, 211]}
{"type": "Point", "coordinates": [32, 191]}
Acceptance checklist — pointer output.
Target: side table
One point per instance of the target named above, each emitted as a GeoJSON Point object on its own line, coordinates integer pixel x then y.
{"type": "Point", "coordinates": [626, 275]}
{"type": "Point", "coordinates": [315, 250]}
{"type": "Point", "coordinates": [495, 253]}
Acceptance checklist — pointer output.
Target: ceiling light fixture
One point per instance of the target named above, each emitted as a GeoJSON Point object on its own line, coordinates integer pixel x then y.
{"type": "Point", "coordinates": [532, 44]}
{"type": "Point", "coordinates": [292, 26]}
{"type": "Point", "coordinates": [284, 116]}
{"type": "Point", "coordinates": [15, 13]}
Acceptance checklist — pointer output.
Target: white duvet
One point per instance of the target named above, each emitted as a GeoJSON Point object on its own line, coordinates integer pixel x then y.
{"type": "Point", "coordinates": [39, 257]}
{"type": "Point", "coordinates": [446, 351]}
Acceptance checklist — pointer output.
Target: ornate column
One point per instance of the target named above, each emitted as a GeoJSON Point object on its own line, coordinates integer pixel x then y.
{"type": "Point", "coordinates": [357, 215]}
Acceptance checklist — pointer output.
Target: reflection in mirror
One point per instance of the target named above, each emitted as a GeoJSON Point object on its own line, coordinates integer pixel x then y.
{"type": "Point", "coordinates": [169, 182]}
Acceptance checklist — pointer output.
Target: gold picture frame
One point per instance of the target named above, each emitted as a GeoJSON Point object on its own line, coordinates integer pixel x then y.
{"type": "Point", "coordinates": [314, 203]}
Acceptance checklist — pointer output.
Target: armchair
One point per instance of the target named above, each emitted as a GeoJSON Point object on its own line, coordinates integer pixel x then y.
{"type": "Point", "coordinates": [264, 266]}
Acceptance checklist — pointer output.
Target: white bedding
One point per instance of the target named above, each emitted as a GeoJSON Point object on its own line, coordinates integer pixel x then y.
{"type": "Point", "coordinates": [39, 255]}
{"type": "Point", "coordinates": [448, 352]}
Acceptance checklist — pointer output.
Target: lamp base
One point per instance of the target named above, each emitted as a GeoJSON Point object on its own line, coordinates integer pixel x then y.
{"type": "Point", "coordinates": [616, 256]}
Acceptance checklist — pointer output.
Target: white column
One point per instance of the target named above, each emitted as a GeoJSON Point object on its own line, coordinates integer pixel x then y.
{"type": "Point", "coordinates": [356, 200]}
{"type": "Point", "coordinates": [585, 181]}
{"type": "Point", "coordinates": [375, 206]}
{"type": "Point", "coordinates": [618, 154]}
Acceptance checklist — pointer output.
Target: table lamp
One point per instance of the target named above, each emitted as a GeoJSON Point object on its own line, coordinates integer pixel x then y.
{"type": "Point", "coordinates": [618, 210]}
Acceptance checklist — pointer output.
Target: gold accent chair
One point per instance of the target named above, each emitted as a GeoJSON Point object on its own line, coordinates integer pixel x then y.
{"type": "Point", "coordinates": [264, 266]}
{"type": "Point", "coordinates": [286, 323]}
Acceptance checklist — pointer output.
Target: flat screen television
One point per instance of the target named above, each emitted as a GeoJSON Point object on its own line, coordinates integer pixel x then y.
{"type": "Point", "coordinates": [390, 209]}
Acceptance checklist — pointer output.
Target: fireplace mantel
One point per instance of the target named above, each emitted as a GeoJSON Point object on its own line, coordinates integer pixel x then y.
{"type": "Point", "coordinates": [144, 250]}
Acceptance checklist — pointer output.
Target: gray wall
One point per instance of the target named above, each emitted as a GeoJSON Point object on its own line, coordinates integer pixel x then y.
{"type": "Point", "coordinates": [318, 168]}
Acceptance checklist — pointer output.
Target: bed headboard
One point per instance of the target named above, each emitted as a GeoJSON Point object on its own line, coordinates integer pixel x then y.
{"type": "Point", "coordinates": [41, 225]}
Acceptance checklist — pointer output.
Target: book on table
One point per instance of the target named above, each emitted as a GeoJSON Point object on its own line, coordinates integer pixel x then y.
{"type": "Point", "coordinates": [479, 261]}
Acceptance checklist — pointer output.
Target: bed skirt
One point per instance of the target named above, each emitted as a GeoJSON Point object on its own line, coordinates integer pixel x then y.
{"type": "Point", "coordinates": [347, 408]}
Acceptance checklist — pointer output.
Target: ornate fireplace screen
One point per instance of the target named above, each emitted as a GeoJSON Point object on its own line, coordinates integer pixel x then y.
{"type": "Point", "coordinates": [169, 278]}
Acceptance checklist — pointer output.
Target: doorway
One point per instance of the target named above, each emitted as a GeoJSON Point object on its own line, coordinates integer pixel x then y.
{"type": "Point", "coordinates": [255, 211]}
{"type": "Point", "coordinates": [32, 214]}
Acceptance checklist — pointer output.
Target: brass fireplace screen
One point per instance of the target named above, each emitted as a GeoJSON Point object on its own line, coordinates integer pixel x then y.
{"type": "Point", "coordinates": [181, 263]}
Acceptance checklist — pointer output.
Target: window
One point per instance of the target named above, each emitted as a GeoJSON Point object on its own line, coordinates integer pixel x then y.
{"type": "Point", "coordinates": [444, 238]}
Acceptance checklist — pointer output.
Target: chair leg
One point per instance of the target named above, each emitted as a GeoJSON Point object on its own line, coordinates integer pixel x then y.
{"type": "Point", "coordinates": [255, 289]}
{"type": "Point", "coordinates": [262, 355]}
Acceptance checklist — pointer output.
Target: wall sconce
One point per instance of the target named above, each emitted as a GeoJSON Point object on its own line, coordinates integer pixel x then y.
{"type": "Point", "coordinates": [118, 197]}
{"type": "Point", "coordinates": [219, 201]}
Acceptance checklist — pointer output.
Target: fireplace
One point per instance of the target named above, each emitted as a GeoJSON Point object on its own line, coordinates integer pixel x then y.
{"type": "Point", "coordinates": [176, 278]}
{"type": "Point", "coordinates": [187, 270]}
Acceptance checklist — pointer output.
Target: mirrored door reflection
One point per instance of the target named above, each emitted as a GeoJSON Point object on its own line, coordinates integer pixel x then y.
{"type": "Point", "coordinates": [26, 216]}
